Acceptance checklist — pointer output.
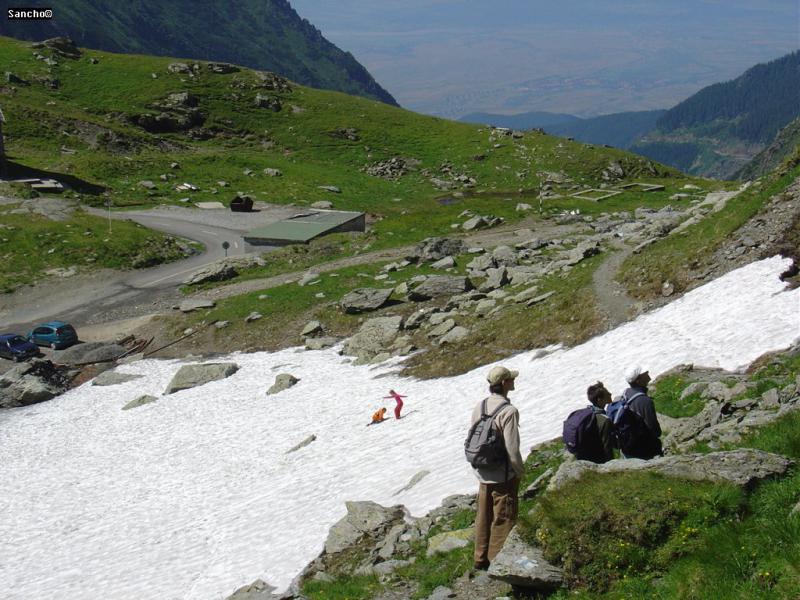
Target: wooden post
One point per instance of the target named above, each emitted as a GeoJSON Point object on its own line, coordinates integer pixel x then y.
{"type": "Point", "coordinates": [2, 146]}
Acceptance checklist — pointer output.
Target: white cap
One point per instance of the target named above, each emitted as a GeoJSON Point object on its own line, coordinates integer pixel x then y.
{"type": "Point", "coordinates": [632, 373]}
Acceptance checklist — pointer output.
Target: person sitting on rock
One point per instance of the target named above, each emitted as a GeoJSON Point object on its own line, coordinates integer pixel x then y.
{"type": "Point", "coordinates": [378, 416]}
{"type": "Point", "coordinates": [399, 399]}
{"type": "Point", "coordinates": [600, 397]}
{"type": "Point", "coordinates": [636, 425]}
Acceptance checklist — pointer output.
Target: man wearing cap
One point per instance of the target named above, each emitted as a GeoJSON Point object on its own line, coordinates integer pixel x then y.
{"type": "Point", "coordinates": [499, 484]}
{"type": "Point", "coordinates": [642, 405]}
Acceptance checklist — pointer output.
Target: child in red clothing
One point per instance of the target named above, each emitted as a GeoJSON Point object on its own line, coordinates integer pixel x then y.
{"type": "Point", "coordinates": [399, 399]}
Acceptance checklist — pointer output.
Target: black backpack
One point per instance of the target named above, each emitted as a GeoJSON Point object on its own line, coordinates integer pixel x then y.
{"type": "Point", "coordinates": [484, 446]}
{"type": "Point", "coordinates": [581, 435]}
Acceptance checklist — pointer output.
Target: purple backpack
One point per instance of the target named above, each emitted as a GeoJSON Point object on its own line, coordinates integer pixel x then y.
{"type": "Point", "coordinates": [580, 434]}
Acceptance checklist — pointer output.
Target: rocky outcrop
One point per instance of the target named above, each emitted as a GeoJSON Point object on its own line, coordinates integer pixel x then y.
{"type": "Point", "coordinates": [446, 541]}
{"type": "Point", "coordinates": [362, 519]}
{"type": "Point", "coordinates": [743, 467]}
{"type": "Point", "coordinates": [90, 352]}
{"type": "Point", "coordinates": [374, 336]}
{"type": "Point", "coordinates": [440, 285]}
{"type": "Point", "coordinates": [523, 565]}
{"type": "Point", "coordinates": [436, 248]}
{"type": "Point", "coordinates": [365, 300]}
{"type": "Point", "coordinates": [190, 376]}
{"type": "Point", "coordinates": [32, 382]}
{"type": "Point", "coordinates": [282, 382]}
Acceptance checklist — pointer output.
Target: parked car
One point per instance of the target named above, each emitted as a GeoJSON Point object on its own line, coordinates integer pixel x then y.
{"type": "Point", "coordinates": [55, 334]}
{"type": "Point", "coordinates": [16, 347]}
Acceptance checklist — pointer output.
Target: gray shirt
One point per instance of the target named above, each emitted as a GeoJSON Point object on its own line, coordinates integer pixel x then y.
{"type": "Point", "coordinates": [507, 421]}
{"type": "Point", "coordinates": [644, 407]}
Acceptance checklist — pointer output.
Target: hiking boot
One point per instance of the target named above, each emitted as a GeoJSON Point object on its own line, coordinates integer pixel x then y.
{"type": "Point", "coordinates": [481, 566]}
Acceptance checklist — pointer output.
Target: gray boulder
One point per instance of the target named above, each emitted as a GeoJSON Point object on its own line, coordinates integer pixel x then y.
{"type": "Point", "coordinates": [441, 593]}
{"type": "Point", "coordinates": [475, 223]}
{"type": "Point", "coordinates": [362, 518]}
{"type": "Point", "coordinates": [330, 188]}
{"type": "Point", "coordinates": [258, 590]}
{"type": "Point", "coordinates": [455, 335]}
{"type": "Point", "coordinates": [743, 467]}
{"type": "Point", "coordinates": [302, 444]}
{"type": "Point", "coordinates": [311, 328]}
{"type": "Point", "coordinates": [449, 540]}
{"type": "Point", "coordinates": [322, 204]}
{"type": "Point", "coordinates": [218, 271]}
{"type": "Point", "coordinates": [440, 285]}
{"type": "Point", "coordinates": [582, 251]}
{"type": "Point", "coordinates": [89, 352]}
{"type": "Point", "coordinates": [436, 248]}
{"type": "Point", "coordinates": [365, 300]}
{"type": "Point", "coordinates": [442, 328]}
{"type": "Point", "coordinates": [481, 263]}
{"type": "Point", "coordinates": [140, 401]}
{"type": "Point", "coordinates": [30, 383]}
{"type": "Point", "coordinates": [538, 484]}
{"type": "Point", "coordinates": [320, 343]}
{"type": "Point", "coordinates": [374, 336]}
{"type": "Point", "coordinates": [448, 262]}
{"type": "Point", "coordinates": [190, 376]}
{"type": "Point", "coordinates": [113, 378]}
{"type": "Point", "coordinates": [195, 304]}
{"type": "Point", "coordinates": [496, 278]}
{"type": "Point", "coordinates": [522, 565]}
{"type": "Point", "coordinates": [282, 382]}
{"type": "Point", "coordinates": [505, 256]}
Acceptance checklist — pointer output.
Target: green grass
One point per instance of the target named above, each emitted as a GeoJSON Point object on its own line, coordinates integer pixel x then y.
{"type": "Point", "coordinates": [631, 524]}
{"type": "Point", "coordinates": [32, 244]}
{"type": "Point", "coordinates": [666, 394]}
{"type": "Point", "coordinates": [676, 257]}
{"type": "Point", "coordinates": [346, 587]}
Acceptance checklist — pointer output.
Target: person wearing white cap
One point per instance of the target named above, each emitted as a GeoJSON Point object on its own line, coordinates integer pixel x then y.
{"type": "Point", "coordinates": [499, 483]}
{"type": "Point", "coordinates": [645, 434]}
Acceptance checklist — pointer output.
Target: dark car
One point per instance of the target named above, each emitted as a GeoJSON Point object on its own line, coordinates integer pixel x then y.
{"type": "Point", "coordinates": [16, 347]}
{"type": "Point", "coordinates": [55, 334]}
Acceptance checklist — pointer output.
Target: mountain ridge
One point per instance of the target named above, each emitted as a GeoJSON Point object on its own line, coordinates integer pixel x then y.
{"type": "Point", "coordinates": [267, 35]}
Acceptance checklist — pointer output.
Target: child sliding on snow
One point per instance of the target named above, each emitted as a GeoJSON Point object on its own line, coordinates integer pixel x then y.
{"type": "Point", "coordinates": [378, 417]}
{"type": "Point", "coordinates": [399, 399]}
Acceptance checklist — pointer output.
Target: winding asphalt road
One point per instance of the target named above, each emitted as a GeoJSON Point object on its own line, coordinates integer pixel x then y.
{"type": "Point", "coordinates": [155, 286]}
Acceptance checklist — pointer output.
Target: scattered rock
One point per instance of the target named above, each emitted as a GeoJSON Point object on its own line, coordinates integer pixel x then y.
{"type": "Point", "coordinates": [496, 278]}
{"type": "Point", "coordinates": [522, 565]}
{"type": "Point", "coordinates": [311, 328]}
{"type": "Point", "coordinates": [322, 204]}
{"type": "Point", "coordinates": [436, 248]}
{"type": "Point", "coordinates": [308, 278]}
{"type": "Point", "coordinates": [364, 300]}
{"type": "Point", "coordinates": [270, 102]}
{"type": "Point", "coordinates": [302, 444]}
{"type": "Point", "coordinates": [222, 68]}
{"type": "Point", "coordinates": [330, 188]}
{"type": "Point", "coordinates": [475, 223]}
{"type": "Point", "coordinates": [320, 343]}
{"type": "Point", "coordinates": [140, 401]}
{"type": "Point", "coordinates": [282, 382]}
{"type": "Point", "coordinates": [89, 352]}
{"type": "Point", "coordinates": [258, 590]}
{"type": "Point", "coordinates": [448, 262]}
{"type": "Point", "coordinates": [441, 593]}
{"type": "Point", "coordinates": [113, 378]}
{"type": "Point", "coordinates": [450, 540]}
{"type": "Point", "coordinates": [442, 328]}
{"type": "Point", "coordinates": [455, 335]}
{"type": "Point", "coordinates": [217, 271]}
{"type": "Point", "coordinates": [32, 382]}
{"type": "Point", "coordinates": [196, 304]}
{"type": "Point", "coordinates": [191, 376]}
{"type": "Point", "coordinates": [441, 285]}
{"type": "Point", "coordinates": [538, 484]}
{"type": "Point", "coordinates": [373, 337]}
{"type": "Point", "coordinates": [419, 476]}
{"type": "Point", "coordinates": [253, 316]}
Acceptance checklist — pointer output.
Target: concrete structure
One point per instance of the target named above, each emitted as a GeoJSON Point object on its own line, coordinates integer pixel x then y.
{"type": "Point", "coordinates": [304, 227]}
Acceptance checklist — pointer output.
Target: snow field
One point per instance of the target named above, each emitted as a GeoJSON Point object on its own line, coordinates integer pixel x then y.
{"type": "Point", "coordinates": [193, 496]}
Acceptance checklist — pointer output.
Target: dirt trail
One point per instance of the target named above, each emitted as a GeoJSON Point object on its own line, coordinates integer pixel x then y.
{"type": "Point", "coordinates": [612, 299]}
{"type": "Point", "coordinates": [519, 232]}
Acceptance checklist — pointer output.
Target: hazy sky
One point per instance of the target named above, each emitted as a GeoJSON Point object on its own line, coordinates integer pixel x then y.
{"type": "Point", "coordinates": [587, 57]}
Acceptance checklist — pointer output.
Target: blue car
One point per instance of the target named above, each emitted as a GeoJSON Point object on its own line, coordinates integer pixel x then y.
{"type": "Point", "coordinates": [16, 347]}
{"type": "Point", "coordinates": [55, 334]}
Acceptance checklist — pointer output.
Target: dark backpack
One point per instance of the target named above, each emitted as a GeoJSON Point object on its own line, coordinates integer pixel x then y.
{"type": "Point", "coordinates": [630, 431]}
{"type": "Point", "coordinates": [581, 436]}
{"type": "Point", "coordinates": [484, 446]}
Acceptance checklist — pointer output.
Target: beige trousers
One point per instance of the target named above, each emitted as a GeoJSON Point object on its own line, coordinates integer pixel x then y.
{"type": "Point", "coordinates": [497, 513]}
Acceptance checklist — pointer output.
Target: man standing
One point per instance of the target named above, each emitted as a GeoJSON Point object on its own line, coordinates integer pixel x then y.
{"type": "Point", "coordinates": [499, 483]}
{"type": "Point", "coordinates": [645, 440]}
